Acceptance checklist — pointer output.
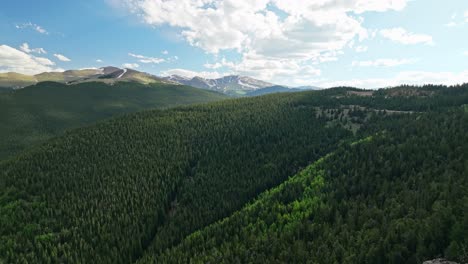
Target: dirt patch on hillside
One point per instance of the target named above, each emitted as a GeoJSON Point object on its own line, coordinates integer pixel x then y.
{"type": "Point", "coordinates": [361, 93]}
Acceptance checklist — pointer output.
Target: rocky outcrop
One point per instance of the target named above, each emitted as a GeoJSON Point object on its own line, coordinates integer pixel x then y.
{"type": "Point", "coordinates": [439, 261]}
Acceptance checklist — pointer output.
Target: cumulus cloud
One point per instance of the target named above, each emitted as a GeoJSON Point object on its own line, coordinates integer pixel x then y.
{"type": "Point", "coordinates": [383, 62]}
{"type": "Point", "coordinates": [99, 61]}
{"type": "Point", "coordinates": [286, 39]}
{"type": "Point", "coordinates": [32, 26]}
{"type": "Point", "coordinates": [25, 47]}
{"type": "Point", "coordinates": [402, 36]}
{"type": "Point", "coordinates": [61, 57]}
{"type": "Point", "coordinates": [165, 52]}
{"type": "Point", "coordinates": [13, 60]}
{"type": "Point", "coordinates": [266, 68]}
{"type": "Point", "coordinates": [258, 66]}
{"type": "Point", "coordinates": [130, 65]}
{"type": "Point", "coordinates": [145, 59]}
{"type": "Point", "coordinates": [217, 65]}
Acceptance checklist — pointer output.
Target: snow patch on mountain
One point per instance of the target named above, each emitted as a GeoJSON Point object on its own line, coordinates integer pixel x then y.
{"type": "Point", "coordinates": [123, 73]}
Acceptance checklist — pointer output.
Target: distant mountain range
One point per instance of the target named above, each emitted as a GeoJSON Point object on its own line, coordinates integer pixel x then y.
{"type": "Point", "coordinates": [236, 85]}
{"type": "Point", "coordinates": [233, 85]}
{"type": "Point", "coordinates": [106, 74]}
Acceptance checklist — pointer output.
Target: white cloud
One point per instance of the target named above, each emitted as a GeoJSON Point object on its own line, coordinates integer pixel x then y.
{"type": "Point", "coordinates": [144, 59]}
{"type": "Point", "coordinates": [361, 49]}
{"type": "Point", "coordinates": [99, 61]}
{"type": "Point", "coordinates": [451, 24]}
{"type": "Point", "coordinates": [456, 20]}
{"type": "Point", "coordinates": [327, 56]}
{"type": "Point", "coordinates": [407, 77]}
{"type": "Point", "coordinates": [32, 26]}
{"type": "Point", "coordinates": [465, 53]}
{"type": "Point", "coordinates": [172, 59]}
{"type": "Point", "coordinates": [61, 57]}
{"type": "Point", "coordinates": [165, 52]}
{"type": "Point", "coordinates": [270, 69]}
{"type": "Point", "coordinates": [191, 74]}
{"type": "Point", "coordinates": [217, 65]}
{"type": "Point", "coordinates": [383, 62]}
{"type": "Point", "coordinates": [25, 47]}
{"type": "Point", "coordinates": [13, 60]}
{"type": "Point", "coordinates": [130, 65]}
{"type": "Point", "coordinates": [402, 36]}
{"type": "Point", "coordinates": [272, 42]}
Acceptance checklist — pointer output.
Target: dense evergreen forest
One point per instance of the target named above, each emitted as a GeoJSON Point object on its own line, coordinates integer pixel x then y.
{"type": "Point", "coordinates": [388, 183]}
{"type": "Point", "coordinates": [36, 113]}
{"type": "Point", "coordinates": [399, 196]}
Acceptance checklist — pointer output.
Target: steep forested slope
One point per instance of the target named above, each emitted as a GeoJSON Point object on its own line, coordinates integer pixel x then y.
{"type": "Point", "coordinates": [104, 193]}
{"type": "Point", "coordinates": [36, 113]}
{"type": "Point", "coordinates": [399, 196]}
{"type": "Point", "coordinates": [136, 186]}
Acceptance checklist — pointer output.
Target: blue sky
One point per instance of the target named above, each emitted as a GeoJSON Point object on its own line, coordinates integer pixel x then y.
{"type": "Point", "coordinates": [364, 43]}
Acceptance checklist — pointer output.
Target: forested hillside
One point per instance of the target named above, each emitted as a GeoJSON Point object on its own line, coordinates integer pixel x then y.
{"type": "Point", "coordinates": [149, 186]}
{"type": "Point", "coordinates": [104, 193]}
{"type": "Point", "coordinates": [399, 196]}
{"type": "Point", "coordinates": [36, 113]}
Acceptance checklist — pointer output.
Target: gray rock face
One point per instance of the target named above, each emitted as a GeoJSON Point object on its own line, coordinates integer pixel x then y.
{"type": "Point", "coordinates": [227, 84]}
{"type": "Point", "coordinates": [439, 261]}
